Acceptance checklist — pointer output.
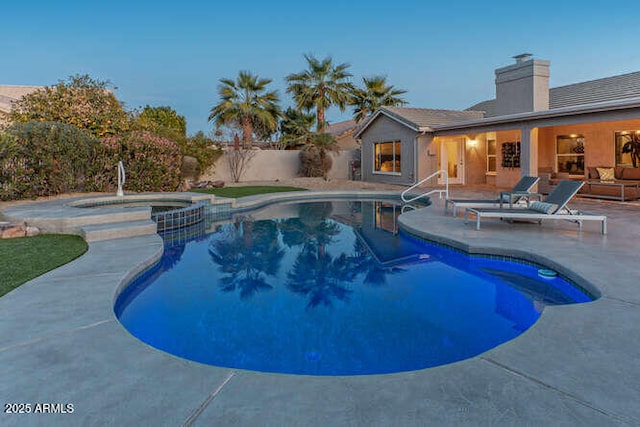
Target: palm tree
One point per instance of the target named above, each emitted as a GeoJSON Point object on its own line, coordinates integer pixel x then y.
{"type": "Point", "coordinates": [246, 102]}
{"type": "Point", "coordinates": [320, 86]}
{"type": "Point", "coordinates": [295, 127]}
{"type": "Point", "coordinates": [375, 94]}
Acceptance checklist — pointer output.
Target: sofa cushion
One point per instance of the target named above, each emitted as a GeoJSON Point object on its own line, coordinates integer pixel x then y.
{"type": "Point", "coordinates": [618, 171]}
{"type": "Point", "coordinates": [606, 174]}
{"type": "Point", "coordinates": [543, 207]}
{"type": "Point", "coordinates": [593, 172]}
{"type": "Point", "coordinates": [631, 173]}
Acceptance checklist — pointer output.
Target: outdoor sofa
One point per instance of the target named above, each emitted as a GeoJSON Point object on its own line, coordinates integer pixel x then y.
{"type": "Point", "coordinates": [624, 185]}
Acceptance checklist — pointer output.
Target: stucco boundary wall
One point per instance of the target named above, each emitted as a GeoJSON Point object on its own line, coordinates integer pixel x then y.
{"type": "Point", "coordinates": [271, 165]}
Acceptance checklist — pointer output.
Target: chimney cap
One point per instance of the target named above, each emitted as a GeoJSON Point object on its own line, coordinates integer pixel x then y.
{"type": "Point", "coordinates": [522, 57]}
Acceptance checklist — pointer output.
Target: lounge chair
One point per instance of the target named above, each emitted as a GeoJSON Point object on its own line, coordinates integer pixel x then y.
{"type": "Point", "coordinates": [517, 194]}
{"type": "Point", "coordinates": [554, 207]}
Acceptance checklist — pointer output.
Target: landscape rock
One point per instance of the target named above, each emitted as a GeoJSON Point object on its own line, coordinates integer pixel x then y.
{"type": "Point", "coordinates": [32, 231]}
{"type": "Point", "coordinates": [13, 231]}
{"type": "Point", "coordinates": [208, 184]}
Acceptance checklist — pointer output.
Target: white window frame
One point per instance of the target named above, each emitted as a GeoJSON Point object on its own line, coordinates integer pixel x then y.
{"type": "Point", "coordinates": [493, 156]}
{"type": "Point", "coordinates": [559, 156]}
{"type": "Point", "coordinates": [393, 143]}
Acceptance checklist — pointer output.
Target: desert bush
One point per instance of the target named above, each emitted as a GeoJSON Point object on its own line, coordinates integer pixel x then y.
{"type": "Point", "coordinates": [151, 162]}
{"type": "Point", "coordinates": [45, 158]}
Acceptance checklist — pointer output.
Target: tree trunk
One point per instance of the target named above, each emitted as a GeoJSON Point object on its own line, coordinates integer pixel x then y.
{"type": "Point", "coordinates": [323, 163]}
{"type": "Point", "coordinates": [320, 119]}
{"type": "Point", "coordinates": [247, 132]}
{"type": "Point", "coordinates": [321, 110]}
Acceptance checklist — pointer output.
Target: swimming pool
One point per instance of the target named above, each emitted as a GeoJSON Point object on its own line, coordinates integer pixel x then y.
{"type": "Point", "coordinates": [331, 288]}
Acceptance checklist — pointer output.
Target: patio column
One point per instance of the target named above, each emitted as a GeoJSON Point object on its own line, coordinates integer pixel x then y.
{"type": "Point", "coordinates": [529, 151]}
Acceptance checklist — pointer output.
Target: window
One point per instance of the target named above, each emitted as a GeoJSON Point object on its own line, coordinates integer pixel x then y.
{"type": "Point", "coordinates": [628, 148]}
{"type": "Point", "coordinates": [570, 154]}
{"type": "Point", "coordinates": [387, 157]}
{"type": "Point", "coordinates": [491, 156]}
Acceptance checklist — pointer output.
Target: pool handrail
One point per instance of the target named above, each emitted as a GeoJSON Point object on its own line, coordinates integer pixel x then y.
{"type": "Point", "coordinates": [428, 193]}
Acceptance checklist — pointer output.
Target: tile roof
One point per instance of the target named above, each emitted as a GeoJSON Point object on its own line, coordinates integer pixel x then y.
{"type": "Point", "coordinates": [613, 88]}
{"type": "Point", "coordinates": [341, 128]}
{"type": "Point", "coordinates": [607, 89]}
{"type": "Point", "coordinates": [426, 117]}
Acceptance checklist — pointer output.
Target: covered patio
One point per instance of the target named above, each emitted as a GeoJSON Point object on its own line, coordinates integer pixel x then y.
{"type": "Point", "coordinates": [563, 143]}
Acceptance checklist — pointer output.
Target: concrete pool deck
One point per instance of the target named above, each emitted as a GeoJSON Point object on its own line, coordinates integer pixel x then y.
{"type": "Point", "coordinates": [578, 365]}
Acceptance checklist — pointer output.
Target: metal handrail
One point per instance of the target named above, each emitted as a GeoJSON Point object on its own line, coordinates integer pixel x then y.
{"type": "Point", "coordinates": [122, 178]}
{"type": "Point", "coordinates": [436, 190]}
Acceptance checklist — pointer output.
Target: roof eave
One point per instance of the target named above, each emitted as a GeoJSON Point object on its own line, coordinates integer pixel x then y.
{"type": "Point", "coordinates": [402, 121]}
{"type": "Point", "coordinates": [546, 114]}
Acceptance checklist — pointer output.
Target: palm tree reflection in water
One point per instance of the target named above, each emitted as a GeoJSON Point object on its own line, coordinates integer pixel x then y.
{"type": "Point", "coordinates": [248, 254]}
{"type": "Point", "coordinates": [316, 273]}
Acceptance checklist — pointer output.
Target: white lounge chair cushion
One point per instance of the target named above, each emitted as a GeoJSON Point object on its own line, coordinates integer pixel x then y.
{"type": "Point", "coordinates": [543, 207]}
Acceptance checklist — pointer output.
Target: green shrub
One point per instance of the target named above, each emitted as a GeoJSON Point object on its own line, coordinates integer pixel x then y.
{"type": "Point", "coordinates": [151, 162]}
{"type": "Point", "coordinates": [204, 149]}
{"type": "Point", "coordinates": [80, 101]}
{"type": "Point", "coordinates": [45, 158]}
{"type": "Point", "coordinates": [163, 121]}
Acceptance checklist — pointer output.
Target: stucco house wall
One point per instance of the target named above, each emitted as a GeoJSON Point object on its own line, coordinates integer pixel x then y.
{"type": "Point", "coordinates": [385, 129]}
{"type": "Point", "coordinates": [506, 177]}
{"type": "Point", "coordinates": [599, 141]}
{"type": "Point", "coordinates": [476, 161]}
{"type": "Point", "coordinates": [427, 155]}
{"type": "Point", "coordinates": [347, 142]}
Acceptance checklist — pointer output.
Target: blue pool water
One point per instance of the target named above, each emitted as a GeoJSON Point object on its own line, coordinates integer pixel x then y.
{"type": "Point", "coordinates": [331, 288]}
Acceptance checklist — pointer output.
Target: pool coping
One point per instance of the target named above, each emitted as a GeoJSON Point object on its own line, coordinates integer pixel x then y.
{"type": "Point", "coordinates": [563, 366]}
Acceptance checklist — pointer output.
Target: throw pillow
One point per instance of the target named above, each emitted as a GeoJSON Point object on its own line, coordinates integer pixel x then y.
{"type": "Point", "coordinates": [543, 207]}
{"type": "Point", "coordinates": [606, 174]}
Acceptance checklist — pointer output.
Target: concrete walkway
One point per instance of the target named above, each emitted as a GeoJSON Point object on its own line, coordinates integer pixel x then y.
{"type": "Point", "coordinates": [578, 365]}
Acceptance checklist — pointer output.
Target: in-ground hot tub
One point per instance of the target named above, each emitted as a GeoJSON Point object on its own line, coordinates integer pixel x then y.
{"type": "Point", "coordinates": [168, 211]}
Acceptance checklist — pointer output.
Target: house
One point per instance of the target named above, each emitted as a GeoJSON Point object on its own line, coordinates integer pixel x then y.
{"type": "Point", "coordinates": [343, 133]}
{"type": "Point", "coordinates": [8, 95]}
{"type": "Point", "coordinates": [526, 130]}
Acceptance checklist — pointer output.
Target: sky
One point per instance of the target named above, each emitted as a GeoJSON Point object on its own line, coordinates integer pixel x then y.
{"type": "Point", "coordinates": [442, 53]}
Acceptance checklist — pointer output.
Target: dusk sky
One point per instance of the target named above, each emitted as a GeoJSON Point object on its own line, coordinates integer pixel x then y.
{"type": "Point", "coordinates": [442, 53]}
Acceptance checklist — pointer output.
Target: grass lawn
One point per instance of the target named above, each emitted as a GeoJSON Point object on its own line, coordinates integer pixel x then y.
{"type": "Point", "coordinates": [25, 258]}
{"type": "Point", "coordinates": [235, 192]}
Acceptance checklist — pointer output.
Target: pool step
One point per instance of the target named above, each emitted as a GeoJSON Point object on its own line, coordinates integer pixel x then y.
{"type": "Point", "coordinates": [118, 230]}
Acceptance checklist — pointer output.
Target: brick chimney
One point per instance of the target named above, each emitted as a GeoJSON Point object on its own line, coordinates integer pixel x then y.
{"type": "Point", "coordinates": [523, 86]}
